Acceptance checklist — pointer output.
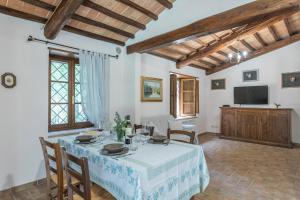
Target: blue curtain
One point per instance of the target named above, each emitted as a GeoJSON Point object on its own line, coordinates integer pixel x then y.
{"type": "Point", "coordinates": [94, 86]}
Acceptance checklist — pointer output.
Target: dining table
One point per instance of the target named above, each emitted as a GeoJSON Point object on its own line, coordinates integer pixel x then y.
{"type": "Point", "coordinates": [172, 171]}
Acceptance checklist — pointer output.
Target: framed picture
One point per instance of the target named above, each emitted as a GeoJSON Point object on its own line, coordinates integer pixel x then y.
{"type": "Point", "coordinates": [290, 80]}
{"type": "Point", "coordinates": [250, 75]}
{"type": "Point", "coordinates": [151, 89]}
{"type": "Point", "coordinates": [8, 80]}
{"type": "Point", "coordinates": [218, 84]}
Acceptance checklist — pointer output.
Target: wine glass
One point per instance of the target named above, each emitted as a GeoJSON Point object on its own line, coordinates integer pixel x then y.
{"type": "Point", "coordinates": [145, 132]}
{"type": "Point", "coordinates": [131, 135]}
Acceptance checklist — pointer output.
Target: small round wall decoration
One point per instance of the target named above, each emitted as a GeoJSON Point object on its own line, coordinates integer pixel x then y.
{"type": "Point", "coordinates": [8, 80]}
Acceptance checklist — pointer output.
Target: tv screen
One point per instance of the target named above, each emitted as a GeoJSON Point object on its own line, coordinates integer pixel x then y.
{"type": "Point", "coordinates": [252, 95]}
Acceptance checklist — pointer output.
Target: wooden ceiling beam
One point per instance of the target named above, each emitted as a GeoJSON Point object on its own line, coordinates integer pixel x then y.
{"type": "Point", "coordinates": [50, 7]}
{"type": "Point", "coordinates": [112, 14]}
{"type": "Point", "coordinates": [236, 17]}
{"type": "Point", "coordinates": [247, 45]}
{"type": "Point", "coordinates": [60, 17]}
{"type": "Point", "coordinates": [30, 17]}
{"type": "Point", "coordinates": [260, 39]}
{"type": "Point", "coordinates": [165, 3]}
{"type": "Point", "coordinates": [209, 64]}
{"type": "Point", "coordinates": [288, 26]}
{"type": "Point", "coordinates": [15, 13]}
{"type": "Point", "coordinates": [252, 28]}
{"type": "Point", "coordinates": [273, 32]}
{"type": "Point", "coordinates": [175, 60]}
{"type": "Point", "coordinates": [41, 4]}
{"type": "Point", "coordinates": [215, 59]}
{"type": "Point", "coordinates": [259, 52]}
{"type": "Point", "coordinates": [92, 35]}
{"type": "Point", "coordinates": [139, 8]}
{"type": "Point", "coordinates": [102, 25]}
{"type": "Point", "coordinates": [233, 49]}
{"type": "Point", "coordinates": [222, 54]}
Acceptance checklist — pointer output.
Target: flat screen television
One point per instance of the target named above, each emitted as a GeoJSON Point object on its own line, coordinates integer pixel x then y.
{"type": "Point", "coordinates": [251, 95]}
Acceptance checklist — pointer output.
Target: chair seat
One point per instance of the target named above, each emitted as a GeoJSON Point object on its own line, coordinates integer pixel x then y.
{"type": "Point", "coordinates": [55, 181]}
{"type": "Point", "coordinates": [97, 193]}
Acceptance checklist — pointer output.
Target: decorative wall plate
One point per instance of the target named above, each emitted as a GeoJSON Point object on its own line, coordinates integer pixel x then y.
{"type": "Point", "coordinates": [8, 80]}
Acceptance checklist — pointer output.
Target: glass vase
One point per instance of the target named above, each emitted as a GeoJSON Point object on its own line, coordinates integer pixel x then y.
{"type": "Point", "coordinates": [120, 136]}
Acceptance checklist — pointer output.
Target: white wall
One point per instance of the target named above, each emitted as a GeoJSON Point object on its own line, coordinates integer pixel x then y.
{"type": "Point", "coordinates": [270, 67]}
{"type": "Point", "coordinates": [24, 109]}
{"type": "Point", "coordinates": [152, 66]}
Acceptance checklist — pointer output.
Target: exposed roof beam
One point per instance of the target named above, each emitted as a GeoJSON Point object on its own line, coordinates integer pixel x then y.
{"type": "Point", "coordinates": [60, 17]}
{"type": "Point", "coordinates": [175, 60]}
{"type": "Point", "coordinates": [50, 7]}
{"type": "Point", "coordinates": [288, 26]}
{"type": "Point", "coordinates": [233, 49]}
{"type": "Point", "coordinates": [260, 40]}
{"type": "Point", "coordinates": [274, 33]}
{"type": "Point", "coordinates": [215, 59]}
{"type": "Point", "coordinates": [259, 52]}
{"type": "Point", "coordinates": [209, 64]}
{"type": "Point", "coordinates": [236, 17]}
{"type": "Point", "coordinates": [139, 8]}
{"type": "Point", "coordinates": [252, 28]}
{"type": "Point", "coordinates": [247, 45]}
{"type": "Point", "coordinates": [26, 16]}
{"type": "Point", "coordinates": [112, 14]}
{"type": "Point", "coordinates": [23, 15]}
{"type": "Point", "coordinates": [165, 3]}
{"type": "Point", "coordinates": [92, 35]}
{"type": "Point", "coordinates": [222, 54]}
{"type": "Point", "coordinates": [102, 25]}
{"type": "Point", "coordinates": [41, 4]}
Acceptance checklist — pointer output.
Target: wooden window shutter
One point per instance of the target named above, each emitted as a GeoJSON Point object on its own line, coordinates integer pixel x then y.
{"type": "Point", "coordinates": [187, 97]}
{"type": "Point", "coordinates": [197, 96]}
{"type": "Point", "coordinates": [173, 95]}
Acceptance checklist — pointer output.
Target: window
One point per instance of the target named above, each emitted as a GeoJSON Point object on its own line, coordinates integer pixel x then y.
{"type": "Point", "coordinates": [65, 109]}
{"type": "Point", "coordinates": [184, 96]}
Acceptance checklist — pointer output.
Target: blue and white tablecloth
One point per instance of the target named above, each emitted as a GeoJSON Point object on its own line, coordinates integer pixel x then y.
{"type": "Point", "coordinates": [153, 172]}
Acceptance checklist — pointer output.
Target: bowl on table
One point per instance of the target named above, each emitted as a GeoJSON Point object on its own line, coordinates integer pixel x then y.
{"type": "Point", "coordinates": [85, 139]}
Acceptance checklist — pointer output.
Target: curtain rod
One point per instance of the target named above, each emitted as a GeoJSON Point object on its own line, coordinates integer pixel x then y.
{"type": "Point", "coordinates": [33, 39]}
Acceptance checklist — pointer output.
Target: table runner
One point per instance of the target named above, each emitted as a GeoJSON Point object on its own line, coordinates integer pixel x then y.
{"type": "Point", "coordinates": [153, 172]}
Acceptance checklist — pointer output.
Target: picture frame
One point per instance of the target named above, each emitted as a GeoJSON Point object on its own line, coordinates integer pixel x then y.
{"type": "Point", "coordinates": [218, 84]}
{"type": "Point", "coordinates": [151, 89]}
{"type": "Point", "coordinates": [290, 80]}
{"type": "Point", "coordinates": [251, 75]}
{"type": "Point", "coordinates": [8, 80]}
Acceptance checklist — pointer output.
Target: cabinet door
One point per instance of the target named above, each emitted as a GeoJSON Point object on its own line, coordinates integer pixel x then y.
{"type": "Point", "coordinates": [228, 123]}
{"type": "Point", "coordinates": [251, 124]}
{"type": "Point", "coordinates": [279, 127]}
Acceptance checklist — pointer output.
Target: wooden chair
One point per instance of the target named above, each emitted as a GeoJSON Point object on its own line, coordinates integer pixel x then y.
{"type": "Point", "coordinates": [151, 128]}
{"type": "Point", "coordinates": [83, 189]}
{"type": "Point", "coordinates": [54, 169]}
{"type": "Point", "coordinates": [190, 134]}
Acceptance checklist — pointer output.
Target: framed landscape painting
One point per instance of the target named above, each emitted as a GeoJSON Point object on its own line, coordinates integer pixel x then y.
{"type": "Point", "coordinates": [151, 89]}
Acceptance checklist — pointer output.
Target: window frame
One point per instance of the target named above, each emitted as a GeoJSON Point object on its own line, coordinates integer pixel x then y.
{"type": "Point", "coordinates": [71, 96]}
{"type": "Point", "coordinates": [176, 96]}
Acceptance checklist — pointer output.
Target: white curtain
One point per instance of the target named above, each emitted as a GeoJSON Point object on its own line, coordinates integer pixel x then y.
{"type": "Point", "coordinates": [94, 86]}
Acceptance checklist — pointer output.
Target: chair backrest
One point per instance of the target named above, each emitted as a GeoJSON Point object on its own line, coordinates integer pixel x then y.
{"type": "Point", "coordinates": [151, 128]}
{"type": "Point", "coordinates": [78, 169]}
{"type": "Point", "coordinates": [53, 163]}
{"type": "Point", "coordinates": [190, 134]}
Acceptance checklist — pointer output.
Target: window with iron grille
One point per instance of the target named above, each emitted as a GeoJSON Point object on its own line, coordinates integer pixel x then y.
{"type": "Point", "coordinates": [65, 108]}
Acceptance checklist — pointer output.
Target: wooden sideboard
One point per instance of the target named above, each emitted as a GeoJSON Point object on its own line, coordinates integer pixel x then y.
{"type": "Point", "coordinates": [258, 125]}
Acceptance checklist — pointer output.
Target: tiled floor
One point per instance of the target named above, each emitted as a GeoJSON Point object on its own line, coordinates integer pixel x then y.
{"type": "Point", "coordinates": [245, 171]}
{"type": "Point", "coordinates": [238, 171]}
